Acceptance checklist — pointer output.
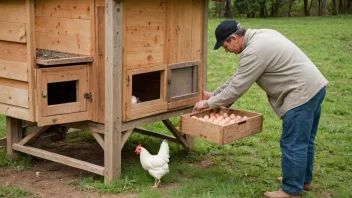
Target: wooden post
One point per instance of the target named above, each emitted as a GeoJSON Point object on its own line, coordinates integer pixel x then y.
{"type": "Point", "coordinates": [13, 133]}
{"type": "Point", "coordinates": [113, 88]}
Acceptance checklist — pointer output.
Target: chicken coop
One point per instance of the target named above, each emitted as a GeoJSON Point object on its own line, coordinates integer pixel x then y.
{"type": "Point", "coordinates": [78, 64]}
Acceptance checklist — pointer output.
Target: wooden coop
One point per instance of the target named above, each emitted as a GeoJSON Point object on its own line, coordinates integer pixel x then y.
{"type": "Point", "coordinates": [78, 63]}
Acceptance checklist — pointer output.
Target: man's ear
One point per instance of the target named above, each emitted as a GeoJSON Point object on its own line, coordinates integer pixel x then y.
{"type": "Point", "coordinates": [234, 38]}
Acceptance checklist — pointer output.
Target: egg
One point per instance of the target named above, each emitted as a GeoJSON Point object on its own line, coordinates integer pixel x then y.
{"type": "Point", "coordinates": [195, 117]}
{"type": "Point", "coordinates": [206, 117]}
{"type": "Point", "coordinates": [217, 115]}
{"type": "Point", "coordinates": [232, 122]}
{"type": "Point", "coordinates": [238, 117]}
{"type": "Point", "coordinates": [225, 115]}
{"type": "Point", "coordinates": [212, 114]}
{"type": "Point", "coordinates": [227, 119]}
{"type": "Point", "coordinates": [221, 112]}
{"type": "Point", "coordinates": [232, 116]}
{"type": "Point", "coordinates": [244, 117]}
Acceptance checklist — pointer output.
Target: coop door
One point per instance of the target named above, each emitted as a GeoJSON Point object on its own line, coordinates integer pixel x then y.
{"type": "Point", "coordinates": [144, 92]}
{"type": "Point", "coordinates": [62, 94]}
{"type": "Point", "coordinates": [183, 84]}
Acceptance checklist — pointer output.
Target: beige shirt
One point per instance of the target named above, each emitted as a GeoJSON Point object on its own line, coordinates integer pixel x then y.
{"type": "Point", "coordinates": [278, 66]}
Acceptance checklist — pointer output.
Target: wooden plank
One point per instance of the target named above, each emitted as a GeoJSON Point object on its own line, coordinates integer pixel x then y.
{"type": "Point", "coordinates": [64, 43]}
{"type": "Point", "coordinates": [197, 128]}
{"type": "Point", "coordinates": [197, 29]}
{"type": "Point", "coordinates": [125, 136]}
{"type": "Point", "coordinates": [66, 108]}
{"type": "Point", "coordinates": [92, 78]}
{"type": "Point", "coordinates": [154, 118]}
{"type": "Point", "coordinates": [13, 96]}
{"type": "Point", "coordinates": [10, 51]}
{"type": "Point", "coordinates": [182, 103]}
{"type": "Point", "coordinates": [65, 118]}
{"type": "Point", "coordinates": [13, 70]}
{"type": "Point", "coordinates": [13, 83]}
{"type": "Point", "coordinates": [157, 135]}
{"type": "Point", "coordinates": [100, 2]}
{"type": "Point", "coordinates": [32, 136]}
{"type": "Point", "coordinates": [31, 54]}
{"type": "Point", "coordinates": [13, 134]}
{"type": "Point", "coordinates": [145, 33]}
{"type": "Point", "coordinates": [176, 133]}
{"type": "Point", "coordinates": [64, 61]}
{"type": "Point", "coordinates": [73, 9]}
{"type": "Point", "coordinates": [184, 35]}
{"type": "Point", "coordinates": [101, 63]}
{"type": "Point", "coordinates": [148, 110]}
{"type": "Point", "coordinates": [172, 31]}
{"type": "Point", "coordinates": [60, 159]}
{"type": "Point", "coordinates": [203, 81]}
{"type": "Point", "coordinates": [12, 11]}
{"type": "Point", "coordinates": [15, 32]}
{"type": "Point", "coordinates": [113, 87]}
{"type": "Point", "coordinates": [14, 111]}
{"type": "Point", "coordinates": [99, 138]}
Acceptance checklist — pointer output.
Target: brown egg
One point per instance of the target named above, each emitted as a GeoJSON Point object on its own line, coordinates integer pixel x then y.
{"type": "Point", "coordinates": [206, 117]}
{"type": "Point", "coordinates": [217, 115]}
{"type": "Point", "coordinates": [232, 116]}
{"type": "Point", "coordinates": [244, 118]}
{"type": "Point", "coordinates": [221, 112]}
{"type": "Point", "coordinates": [232, 122]}
{"type": "Point", "coordinates": [225, 115]}
{"type": "Point", "coordinates": [195, 117]}
{"type": "Point", "coordinates": [227, 119]}
{"type": "Point", "coordinates": [212, 114]}
{"type": "Point", "coordinates": [238, 117]}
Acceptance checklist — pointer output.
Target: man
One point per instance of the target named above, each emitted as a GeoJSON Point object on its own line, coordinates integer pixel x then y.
{"type": "Point", "coordinates": [295, 90]}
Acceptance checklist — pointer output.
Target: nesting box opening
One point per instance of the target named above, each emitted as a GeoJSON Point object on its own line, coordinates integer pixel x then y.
{"type": "Point", "coordinates": [62, 92]}
{"type": "Point", "coordinates": [146, 86]}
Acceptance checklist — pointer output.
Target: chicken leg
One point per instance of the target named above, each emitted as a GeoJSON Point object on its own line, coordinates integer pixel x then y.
{"type": "Point", "coordinates": [157, 181]}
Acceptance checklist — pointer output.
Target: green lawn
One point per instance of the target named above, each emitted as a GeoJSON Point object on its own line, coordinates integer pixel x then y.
{"type": "Point", "coordinates": [248, 167]}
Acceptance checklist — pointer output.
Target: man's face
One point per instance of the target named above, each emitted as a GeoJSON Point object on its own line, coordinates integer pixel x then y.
{"type": "Point", "coordinates": [233, 44]}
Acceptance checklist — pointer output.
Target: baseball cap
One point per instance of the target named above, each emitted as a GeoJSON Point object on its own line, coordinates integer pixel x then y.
{"type": "Point", "coordinates": [224, 29]}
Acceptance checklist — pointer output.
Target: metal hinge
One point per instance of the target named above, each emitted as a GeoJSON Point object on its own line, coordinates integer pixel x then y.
{"type": "Point", "coordinates": [88, 96]}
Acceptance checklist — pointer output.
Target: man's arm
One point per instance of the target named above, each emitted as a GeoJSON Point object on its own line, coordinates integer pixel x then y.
{"type": "Point", "coordinates": [248, 72]}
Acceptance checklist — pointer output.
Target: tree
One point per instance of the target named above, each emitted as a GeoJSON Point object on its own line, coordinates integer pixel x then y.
{"type": "Point", "coordinates": [305, 5]}
{"type": "Point", "coordinates": [228, 9]}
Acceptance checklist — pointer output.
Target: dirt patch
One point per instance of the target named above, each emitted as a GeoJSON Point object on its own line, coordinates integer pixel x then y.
{"type": "Point", "coordinates": [50, 179]}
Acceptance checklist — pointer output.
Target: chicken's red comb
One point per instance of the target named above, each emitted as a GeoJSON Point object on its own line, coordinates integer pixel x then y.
{"type": "Point", "coordinates": [139, 145]}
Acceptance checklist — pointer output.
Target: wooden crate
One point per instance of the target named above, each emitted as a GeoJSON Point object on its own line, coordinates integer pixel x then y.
{"type": "Point", "coordinates": [221, 134]}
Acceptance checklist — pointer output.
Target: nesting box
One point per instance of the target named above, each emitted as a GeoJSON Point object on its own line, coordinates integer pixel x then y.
{"type": "Point", "coordinates": [52, 58]}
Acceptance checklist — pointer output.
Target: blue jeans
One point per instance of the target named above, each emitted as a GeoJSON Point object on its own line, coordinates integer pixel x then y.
{"type": "Point", "coordinates": [297, 143]}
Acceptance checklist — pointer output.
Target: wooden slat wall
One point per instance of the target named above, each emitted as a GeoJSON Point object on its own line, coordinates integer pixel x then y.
{"type": "Point", "coordinates": [185, 29]}
{"type": "Point", "coordinates": [63, 26]}
{"type": "Point", "coordinates": [12, 11]}
{"type": "Point", "coordinates": [145, 33]}
{"type": "Point", "coordinates": [14, 94]}
{"type": "Point", "coordinates": [15, 32]}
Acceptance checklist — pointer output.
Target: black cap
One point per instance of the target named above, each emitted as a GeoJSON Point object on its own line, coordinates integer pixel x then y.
{"type": "Point", "coordinates": [224, 29]}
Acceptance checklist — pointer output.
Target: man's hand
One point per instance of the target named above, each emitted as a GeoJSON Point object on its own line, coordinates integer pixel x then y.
{"type": "Point", "coordinates": [203, 104]}
{"type": "Point", "coordinates": [207, 95]}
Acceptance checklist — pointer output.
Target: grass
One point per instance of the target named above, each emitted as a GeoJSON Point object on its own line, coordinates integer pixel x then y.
{"type": "Point", "coordinates": [10, 192]}
{"type": "Point", "coordinates": [248, 167]}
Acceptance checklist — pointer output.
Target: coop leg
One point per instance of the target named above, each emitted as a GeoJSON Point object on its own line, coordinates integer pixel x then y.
{"type": "Point", "coordinates": [13, 133]}
{"type": "Point", "coordinates": [190, 141]}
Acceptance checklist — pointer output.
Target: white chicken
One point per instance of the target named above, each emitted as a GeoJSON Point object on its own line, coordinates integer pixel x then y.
{"type": "Point", "coordinates": [156, 165]}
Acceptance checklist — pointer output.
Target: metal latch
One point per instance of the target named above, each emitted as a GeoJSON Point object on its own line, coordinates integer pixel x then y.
{"type": "Point", "coordinates": [88, 96]}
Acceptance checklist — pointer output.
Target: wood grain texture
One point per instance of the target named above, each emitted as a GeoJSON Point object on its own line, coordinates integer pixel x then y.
{"type": "Point", "coordinates": [15, 32]}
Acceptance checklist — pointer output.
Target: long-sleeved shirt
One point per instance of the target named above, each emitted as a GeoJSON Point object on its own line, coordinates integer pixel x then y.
{"type": "Point", "coordinates": [278, 66]}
